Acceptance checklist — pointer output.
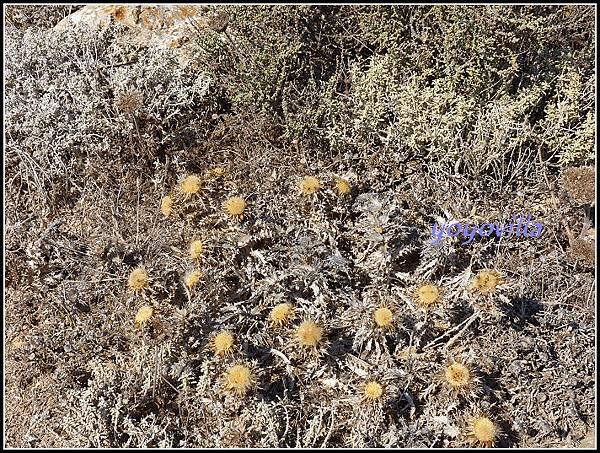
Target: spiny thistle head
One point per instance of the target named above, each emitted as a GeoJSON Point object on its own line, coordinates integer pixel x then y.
{"type": "Point", "coordinates": [309, 334]}
{"type": "Point", "coordinates": [138, 279]}
{"type": "Point", "coordinates": [218, 172]}
{"type": "Point", "coordinates": [280, 314]}
{"type": "Point", "coordinates": [223, 343]}
{"type": "Point", "coordinates": [458, 376]}
{"type": "Point", "coordinates": [342, 186]}
{"type": "Point", "coordinates": [190, 185]}
{"type": "Point", "coordinates": [582, 250]}
{"type": "Point", "coordinates": [373, 391]}
{"type": "Point", "coordinates": [239, 379]}
{"type": "Point", "coordinates": [483, 431]}
{"type": "Point", "coordinates": [428, 295]}
{"type": "Point", "coordinates": [192, 278]}
{"type": "Point", "coordinates": [383, 317]}
{"type": "Point", "coordinates": [309, 185]}
{"type": "Point", "coordinates": [486, 282]}
{"type": "Point", "coordinates": [166, 206]}
{"type": "Point", "coordinates": [235, 206]}
{"type": "Point", "coordinates": [130, 102]}
{"type": "Point", "coordinates": [196, 249]}
{"type": "Point", "coordinates": [143, 315]}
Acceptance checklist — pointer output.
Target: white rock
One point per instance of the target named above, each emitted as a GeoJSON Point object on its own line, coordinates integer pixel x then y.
{"type": "Point", "coordinates": [150, 25]}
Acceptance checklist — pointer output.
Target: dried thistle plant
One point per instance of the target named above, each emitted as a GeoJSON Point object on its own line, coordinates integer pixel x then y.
{"type": "Point", "coordinates": [307, 306]}
{"type": "Point", "coordinates": [580, 184]}
{"type": "Point", "coordinates": [583, 250]}
{"type": "Point", "coordinates": [130, 102]}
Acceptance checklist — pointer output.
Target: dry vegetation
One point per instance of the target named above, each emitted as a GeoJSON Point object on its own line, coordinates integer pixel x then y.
{"type": "Point", "coordinates": [237, 252]}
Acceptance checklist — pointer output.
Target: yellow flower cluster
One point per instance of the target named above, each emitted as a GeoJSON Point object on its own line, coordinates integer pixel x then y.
{"type": "Point", "coordinates": [191, 186]}
{"type": "Point", "coordinates": [310, 185]}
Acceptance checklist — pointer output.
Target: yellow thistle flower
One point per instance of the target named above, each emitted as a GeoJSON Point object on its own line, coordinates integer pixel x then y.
{"type": "Point", "coordinates": [218, 172]}
{"type": "Point", "coordinates": [223, 343]}
{"type": "Point", "coordinates": [190, 185]}
{"type": "Point", "coordinates": [309, 334]}
{"type": "Point", "coordinates": [143, 315]}
{"type": "Point", "coordinates": [486, 282]}
{"type": "Point", "coordinates": [239, 379]}
{"type": "Point", "coordinates": [427, 295]}
{"type": "Point", "coordinates": [196, 249]}
{"type": "Point", "coordinates": [483, 431]}
{"type": "Point", "coordinates": [235, 207]}
{"type": "Point", "coordinates": [383, 317]}
{"type": "Point", "coordinates": [342, 186]}
{"type": "Point", "coordinates": [192, 278]}
{"type": "Point", "coordinates": [166, 206]}
{"type": "Point", "coordinates": [280, 314]}
{"type": "Point", "coordinates": [373, 391]}
{"type": "Point", "coordinates": [138, 279]}
{"type": "Point", "coordinates": [310, 185]}
{"type": "Point", "coordinates": [458, 376]}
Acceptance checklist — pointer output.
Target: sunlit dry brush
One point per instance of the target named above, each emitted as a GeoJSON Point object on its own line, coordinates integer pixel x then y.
{"type": "Point", "coordinates": [582, 250]}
